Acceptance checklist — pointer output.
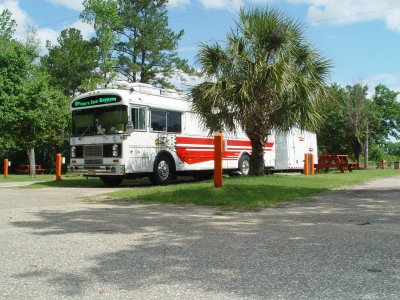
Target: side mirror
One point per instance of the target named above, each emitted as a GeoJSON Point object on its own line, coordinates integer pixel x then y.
{"type": "Point", "coordinates": [129, 127]}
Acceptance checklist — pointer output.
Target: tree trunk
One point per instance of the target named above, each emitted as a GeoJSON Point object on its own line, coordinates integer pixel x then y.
{"type": "Point", "coordinates": [366, 150]}
{"type": "Point", "coordinates": [32, 162]}
{"type": "Point", "coordinates": [257, 157]}
{"type": "Point", "coordinates": [357, 150]}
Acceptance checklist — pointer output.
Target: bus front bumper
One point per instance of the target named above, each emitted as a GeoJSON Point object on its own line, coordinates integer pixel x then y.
{"type": "Point", "coordinates": [98, 170]}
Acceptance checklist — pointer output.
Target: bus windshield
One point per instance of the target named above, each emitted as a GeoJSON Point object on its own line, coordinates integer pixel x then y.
{"type": "Point", "coordinates": [99, 120]}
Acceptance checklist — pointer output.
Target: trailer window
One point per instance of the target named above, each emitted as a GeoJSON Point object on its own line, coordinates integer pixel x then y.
{"type": "Point", "coordinates": [169, 121]}
{"type": "Point", "coordinates": [139, 118]}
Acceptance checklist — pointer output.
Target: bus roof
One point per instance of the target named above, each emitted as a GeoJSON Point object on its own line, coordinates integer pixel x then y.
{"type": "Point", "coordinates": [121, 92]}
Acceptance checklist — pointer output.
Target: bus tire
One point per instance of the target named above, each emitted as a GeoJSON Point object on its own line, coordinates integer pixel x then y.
{"type": "Point", "coordinates": [244, 164]}
{"type": "Point", "coordinates": [112, 180]}
{"type": "Point", "coordinates": [162, 171]}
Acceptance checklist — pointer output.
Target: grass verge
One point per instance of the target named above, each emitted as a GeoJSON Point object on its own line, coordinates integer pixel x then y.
{"type": "Point", "coordinates": [26, 178]}
{"type": "Point", "coordinates": [80, 181]}
{"type": "Point", "coordinates": [237, 193]}
{"type": "Point", "coordinates": [249, 193]}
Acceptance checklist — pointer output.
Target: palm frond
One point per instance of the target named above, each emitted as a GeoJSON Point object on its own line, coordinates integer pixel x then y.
{"type": "Point", "coordinates": [267, 77]}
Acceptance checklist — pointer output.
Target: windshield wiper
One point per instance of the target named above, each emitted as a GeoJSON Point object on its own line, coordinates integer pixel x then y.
{"type": "Point", "coordinates": [101, 131]}
{"type": "Point", "coordinates": [80, 137]}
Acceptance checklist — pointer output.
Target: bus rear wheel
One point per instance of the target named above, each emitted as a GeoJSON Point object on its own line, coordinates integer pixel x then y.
{"type": "Point", "coordinates": [112, 180]}
{"type": "Point", "coordinates": [162, 171]}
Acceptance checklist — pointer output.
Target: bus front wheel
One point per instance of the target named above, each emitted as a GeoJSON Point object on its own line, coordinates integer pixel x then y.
{"type": "Point", "coordinates": [162, 171]}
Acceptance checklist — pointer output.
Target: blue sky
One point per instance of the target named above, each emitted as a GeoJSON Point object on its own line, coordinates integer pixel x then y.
{"type": "Point", "coordinates": [361, 37]}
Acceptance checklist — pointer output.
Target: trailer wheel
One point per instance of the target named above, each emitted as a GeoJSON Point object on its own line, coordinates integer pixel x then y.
{"type": "Point", "coordinates": [162, 171]}
{"type": "Point", "coordinates": [244, 164]}
{"type": "Point", "coordinates": [112, 180]}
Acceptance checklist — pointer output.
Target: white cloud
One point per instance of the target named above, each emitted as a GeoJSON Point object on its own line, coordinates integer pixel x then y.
{"type": "Point", "coordinates": [350, 11]}
{"type": "Point", "coordinates": [24, 23]}
{"type": "Point", "coordinates": [185, 82]}
{"type": "Point", "coordinates": [230, 4]}
{"type": "Point", "coordinates": [87, 30]}
{"type": "Point", "coordinates": [173, 3]}
{"type": "Point", "coordinates": [71, 4]}
{"type": "Point", "coordinates": [20, 16]}
{"type": "Point", "coordinates": [47, 34]}
{"type": "Point", "coordinates": [391, 80]}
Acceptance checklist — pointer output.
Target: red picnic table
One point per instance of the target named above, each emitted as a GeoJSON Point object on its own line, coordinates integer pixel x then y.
{"type": "Point", "coordinates": [338, 161]}
{"type": "Point", "coordinates": [25, 169]}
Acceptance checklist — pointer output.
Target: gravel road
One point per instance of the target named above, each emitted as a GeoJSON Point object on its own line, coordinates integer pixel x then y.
{"type": "Point", "coordinates": [345, 245]}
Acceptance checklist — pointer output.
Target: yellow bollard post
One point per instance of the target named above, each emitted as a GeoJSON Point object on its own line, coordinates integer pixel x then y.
{"type": "Point", "coordinates": [58, 166]}
{"type": "Point", "coordinates": [5, 168]}
{"type": "Point", "coordinates": [306, 164]}
{"type": "Point", "coordinates": [218, 148]}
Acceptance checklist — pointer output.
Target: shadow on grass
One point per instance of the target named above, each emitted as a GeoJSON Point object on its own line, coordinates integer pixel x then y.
{"type": "Point", "coordinates": [230, 196]}
{"type": "Point", "coordinates": [67, 183]}
{"type": "Point", "coordinates": [83, 182]}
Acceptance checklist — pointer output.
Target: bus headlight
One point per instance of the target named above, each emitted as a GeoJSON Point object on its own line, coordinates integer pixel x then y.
{"type": "Point", "coordinates": [115, 150]}
{"type": "Point", "coordinates": [73, 151]}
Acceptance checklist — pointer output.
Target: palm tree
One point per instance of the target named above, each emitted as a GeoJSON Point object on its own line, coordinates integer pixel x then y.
{"type": "Point", "coordinates": [266, 78]}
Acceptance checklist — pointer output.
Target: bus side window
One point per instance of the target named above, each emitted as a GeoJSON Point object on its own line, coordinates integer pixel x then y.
{"type": "Point", "coordinates": [139, 118]}
{"type": "Point", "coordinates": [158, 120]}
{"type": "Point", "coordinates": [169, 121]}
{"type": "Point", "coordinates": [174, 121]}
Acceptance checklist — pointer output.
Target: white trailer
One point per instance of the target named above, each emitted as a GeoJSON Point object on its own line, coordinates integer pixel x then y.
{"type": "Point", "coordinates": [290, 148]}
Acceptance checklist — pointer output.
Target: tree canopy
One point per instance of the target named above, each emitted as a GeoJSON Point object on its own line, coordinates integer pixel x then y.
{"type": "Point", "coordinates": [355, 122]}
{"type": "Point", "coordinates": [72, 62]}
{"type": "Point", "coordinates": [7, 25]}
{"type": "Point", "coordinates": [134, 39]}
{"type": "Point", "coordinates": [266, 78]}
{"type": "Point", "coordinates": [32, 112]}
{"type": "Point", "coordinates": [102, 14]}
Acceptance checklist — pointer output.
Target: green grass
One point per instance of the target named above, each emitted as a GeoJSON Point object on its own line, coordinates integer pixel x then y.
{"type": "Point", "coordinates": [249, 193]}
{"type": "Point", "coordinates": [237, 193]}
{"type": "Point", "coordinates": [26, 178]}
{"type": "Point", "coordinates": [49, 180]}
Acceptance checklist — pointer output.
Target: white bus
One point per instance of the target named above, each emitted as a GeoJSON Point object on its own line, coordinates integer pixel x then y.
{"type": "Point", "coordinates": [132, 130]}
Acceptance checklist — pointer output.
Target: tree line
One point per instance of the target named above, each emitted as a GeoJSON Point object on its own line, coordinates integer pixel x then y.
{"type": "Point", "coordinates": [132, 42]}
{"type": "Point", "coordinates": [362, 125]}
{"type": "Point", "coordinates": [265, 77]}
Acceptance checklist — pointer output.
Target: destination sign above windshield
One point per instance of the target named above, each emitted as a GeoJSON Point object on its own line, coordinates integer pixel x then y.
{"type": "Point", "coordinates": [95, 100]}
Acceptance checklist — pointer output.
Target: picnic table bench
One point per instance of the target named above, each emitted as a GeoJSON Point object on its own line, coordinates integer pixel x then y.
{"type": "Point", "coordinates": [24, 169]}
{"type": "Point", "coordinates": [338, 161]}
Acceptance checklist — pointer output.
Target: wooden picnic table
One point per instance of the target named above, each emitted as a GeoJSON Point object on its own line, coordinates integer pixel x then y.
{"type": "Point", "coordinates": [338, 161]}
{"type": "Point", "coordinates": [24, 169]}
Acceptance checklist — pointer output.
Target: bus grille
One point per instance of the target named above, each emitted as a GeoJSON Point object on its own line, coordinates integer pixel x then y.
{"type": "Point", "coordinates": [93, 161]}
{"type": "Point", "coordinates": [92, 151]}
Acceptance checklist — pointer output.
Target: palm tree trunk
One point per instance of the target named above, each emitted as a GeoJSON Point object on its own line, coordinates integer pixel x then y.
{"type": "Point", "coordinates": [256, 157]}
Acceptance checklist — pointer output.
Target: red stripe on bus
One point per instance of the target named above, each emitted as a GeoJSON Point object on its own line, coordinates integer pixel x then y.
{"type": "Point", "coordinates": [192, 155]}
{"type": "Point", "coordinates": [199, 156]}
{"type": "Point", "coordinates": [236, 143]}
{"type": "Point", "coordinates": [194, 140]}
